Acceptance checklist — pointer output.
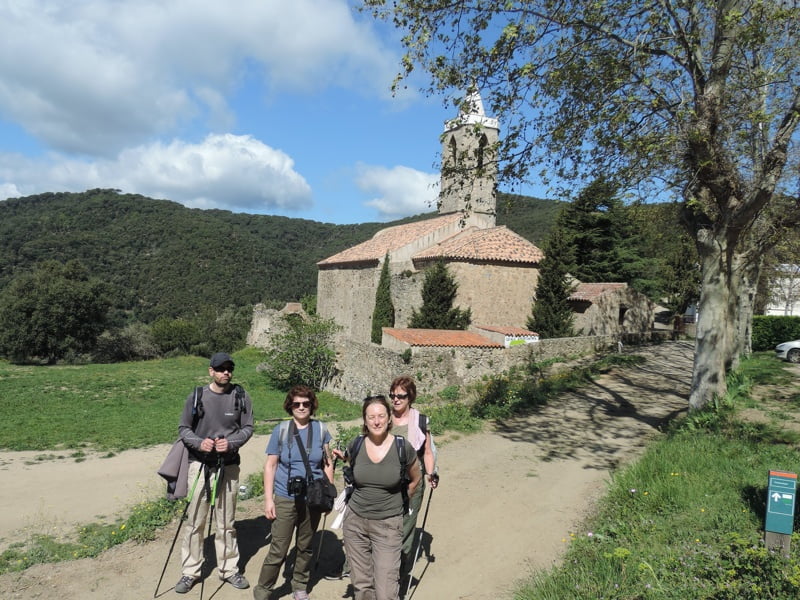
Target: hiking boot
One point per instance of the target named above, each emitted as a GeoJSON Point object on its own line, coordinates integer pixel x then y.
{"type": "Point", "coordinates": [238, 581]}
{"type": "Point", "coordinates": [184, 585]}
{"type": "Point", "coordinates": [300, 595]}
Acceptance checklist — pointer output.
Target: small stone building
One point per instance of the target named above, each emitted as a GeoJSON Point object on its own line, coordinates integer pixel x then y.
{"type": "Point", "coordinates": [610, 309]}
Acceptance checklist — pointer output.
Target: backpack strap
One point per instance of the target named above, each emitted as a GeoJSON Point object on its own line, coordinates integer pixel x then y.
{"type": "Point", "coordinates": [423, 423]}
{"type": "Point", "coordinates": [353, 450]}
{"type": "Point", "coordinates": [400, 444]}
{"type": "Point", "coordinates": [283, 433]}
{"type": "Point", "coordinates": [238, 399]}
{"type": "Point", "coordinates": [197, 407]}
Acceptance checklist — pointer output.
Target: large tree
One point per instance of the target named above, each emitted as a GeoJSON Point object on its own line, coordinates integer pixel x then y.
{"type": "Point", "coordinates": [595, 225]}
{"type": "Point", "coordinates": [552, 315]}
{"type": "Point", "coordinates": [697, 99]}
{"type": "Point", "coordinates": [52, 312]}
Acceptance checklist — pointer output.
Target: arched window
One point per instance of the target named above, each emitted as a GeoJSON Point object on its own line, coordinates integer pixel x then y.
{"type": "Point", "coordinates": [482, 143]}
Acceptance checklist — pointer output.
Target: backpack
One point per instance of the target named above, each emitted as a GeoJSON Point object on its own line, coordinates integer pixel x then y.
{"type": "Point", "coordinates": [197, 406]}
{"type": "Point", "coordinates": [400, 445]}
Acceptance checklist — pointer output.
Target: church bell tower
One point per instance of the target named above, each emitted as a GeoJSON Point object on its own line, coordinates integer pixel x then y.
{"type": "Point", "coordinates": [469, 165]}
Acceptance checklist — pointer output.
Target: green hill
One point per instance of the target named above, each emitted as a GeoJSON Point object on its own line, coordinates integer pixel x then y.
{"type": "Point", "coordinates": [163, 259]}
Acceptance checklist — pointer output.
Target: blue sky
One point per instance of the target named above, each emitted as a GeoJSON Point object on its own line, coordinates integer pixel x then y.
{"type": "Point", "coordinates": [258, 106]}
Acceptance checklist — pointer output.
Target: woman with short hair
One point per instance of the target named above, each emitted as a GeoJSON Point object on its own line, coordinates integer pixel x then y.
{"type": "Point", "coordinates": [285, 480]}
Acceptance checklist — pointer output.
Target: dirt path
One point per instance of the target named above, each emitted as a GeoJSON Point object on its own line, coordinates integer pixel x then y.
{"type": "Point", "coordinates": [508, 501]}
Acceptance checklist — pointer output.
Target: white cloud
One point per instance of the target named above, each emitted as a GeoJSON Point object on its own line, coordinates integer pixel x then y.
{"type": "Point", "coordinates": [231, 172]}
{"type": "Point", "coordinates": [97, 76]}
{"type": "Point", "coordinates": [401, 191]}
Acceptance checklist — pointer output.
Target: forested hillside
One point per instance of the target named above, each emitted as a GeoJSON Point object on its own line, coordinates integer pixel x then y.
{"type": "Point", "coordinates": [161, 259]}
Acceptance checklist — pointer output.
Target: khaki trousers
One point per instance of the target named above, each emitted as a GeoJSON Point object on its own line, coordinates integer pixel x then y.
{"type": "Point", "coordinates": [289, 513]}
{"type": "Point", "coordinates": [373, 548]}
{"type": "Point", "coordinates": [224, 515]}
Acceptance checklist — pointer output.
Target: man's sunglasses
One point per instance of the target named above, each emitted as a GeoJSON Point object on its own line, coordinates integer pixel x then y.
{"type": "Point", "coordinates": [223, 369]}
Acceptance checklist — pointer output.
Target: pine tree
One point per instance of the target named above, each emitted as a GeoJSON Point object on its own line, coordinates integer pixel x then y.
{"type": "Point", "coordinates": [552, 315]}
{"type": "Point", "coordinates": [438, 293]}
{"type": "Point", "coordinates": [592, 224]}
{"type": "Point", "coordinates": [383, 314]}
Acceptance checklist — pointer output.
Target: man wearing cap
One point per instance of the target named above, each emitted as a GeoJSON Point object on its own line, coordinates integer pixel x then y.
{"type": "Point", "coordinates": [217, 420]}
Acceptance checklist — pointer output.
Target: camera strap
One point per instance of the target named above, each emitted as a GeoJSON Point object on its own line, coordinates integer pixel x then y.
{"type": "Point", "coordinates": [294, 433]}
{"type": "Point", "coordinates": [303, 454]}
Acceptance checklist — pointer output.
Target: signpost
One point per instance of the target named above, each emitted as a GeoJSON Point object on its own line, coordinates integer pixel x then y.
{"type": "Point", "coordinates": [779, 523]}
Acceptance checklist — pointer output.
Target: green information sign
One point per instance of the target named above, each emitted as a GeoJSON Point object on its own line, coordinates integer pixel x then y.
{"type": "Point", "coordinates": [780, 502]}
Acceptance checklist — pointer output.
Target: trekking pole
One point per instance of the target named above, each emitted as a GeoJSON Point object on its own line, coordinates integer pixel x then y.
{"type": "Point", "coordinates": [324, 520]}
{"type": "Point", "coordinates": [212, 494]}
{"type": "Point", "coordinates": [177, 531]}
{"type": "Point", "coordinates": [419, 543]}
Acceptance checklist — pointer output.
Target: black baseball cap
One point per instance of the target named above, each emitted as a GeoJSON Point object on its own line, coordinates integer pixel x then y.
{"type": "Point", "coordinates": [219, 359]}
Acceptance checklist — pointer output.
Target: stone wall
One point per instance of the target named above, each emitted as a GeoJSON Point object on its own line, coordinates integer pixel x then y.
{"type": "Point", "coordinates": [267, 322]}
{"type": "Point", "coordinates": [497, 294]}
{"type": "Point", "coordinates": [347, 295]}
{"type": "Point", "coordinates": [602, 317]}
{"type": "Point", "coordinates": [363, 369]}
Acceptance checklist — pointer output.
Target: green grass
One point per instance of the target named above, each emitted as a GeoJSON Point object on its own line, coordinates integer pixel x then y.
{"type": "Point", "coordinates": [92, 539]}
{"type": "Point", "coordinates": [126, 405]}
{"type": "Point", "coordinates": [685, 520]}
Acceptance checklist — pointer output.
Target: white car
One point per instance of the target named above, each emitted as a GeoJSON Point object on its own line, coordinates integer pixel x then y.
{"type": "Point", "coordinates": [789, 351]}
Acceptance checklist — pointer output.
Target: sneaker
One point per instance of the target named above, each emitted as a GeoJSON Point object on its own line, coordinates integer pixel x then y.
{"type": "Point", "coordinates": [238, 581]}
{"type": "Point", "coordinates": [300, 595]}
{"type": "Point", "coordinates": [184, 585]}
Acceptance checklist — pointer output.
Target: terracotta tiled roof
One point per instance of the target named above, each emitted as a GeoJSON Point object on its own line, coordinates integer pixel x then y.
{"type": "Point", "coordinates": [495, 243]}
{"type": "Point", "coordinates": [441, 337]}
{"type": "Point", "coordinates": [588, 292]}
{"type": "Point", "coordinates": [506, 330]}
{"type": "Point", "coordinates": [389, 239]}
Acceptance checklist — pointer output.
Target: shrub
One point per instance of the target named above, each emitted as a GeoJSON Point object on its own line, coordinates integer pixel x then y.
{"type": "Point", "coordinates": [769, 331]}
{"type": "Point", "coordinates": [134, 342]}
{"type": "Point", "coordinates": [302, 354]}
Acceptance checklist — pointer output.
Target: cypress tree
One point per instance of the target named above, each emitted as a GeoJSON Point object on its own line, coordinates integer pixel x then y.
{"type": "Point", "coordinates": [438, 294]}
{"type": "Point", "coordinates": [383, 314]}
{"type": "Point", "coordinates": [552, 315]}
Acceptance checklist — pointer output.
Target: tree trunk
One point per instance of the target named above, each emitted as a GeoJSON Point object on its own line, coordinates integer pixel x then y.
{"type": "Point", "coordinates": [715, 325]}
{"type": "Point", "coordinates": [748, 267]}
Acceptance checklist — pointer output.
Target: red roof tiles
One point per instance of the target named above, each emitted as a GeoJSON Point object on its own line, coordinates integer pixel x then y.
{"type": "Point", "coordinates": [389, 239]}
{"type": "Point", "coordinates": [495, 243]}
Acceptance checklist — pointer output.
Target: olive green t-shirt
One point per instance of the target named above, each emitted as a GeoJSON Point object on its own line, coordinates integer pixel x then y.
{"type": "Point", "coordinates": [377, 493]}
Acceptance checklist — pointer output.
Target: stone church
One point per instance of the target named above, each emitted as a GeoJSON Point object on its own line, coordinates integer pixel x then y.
{"type": "Point", "coordinates": [496, 269]}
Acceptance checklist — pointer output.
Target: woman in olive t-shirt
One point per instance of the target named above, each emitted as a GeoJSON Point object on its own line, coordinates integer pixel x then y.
{"type": "Point", "coordinates": [373, 523]}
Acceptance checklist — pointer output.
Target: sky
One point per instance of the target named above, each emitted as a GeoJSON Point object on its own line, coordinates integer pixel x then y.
{"type": "Point", "coordinates": [258, 106]}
